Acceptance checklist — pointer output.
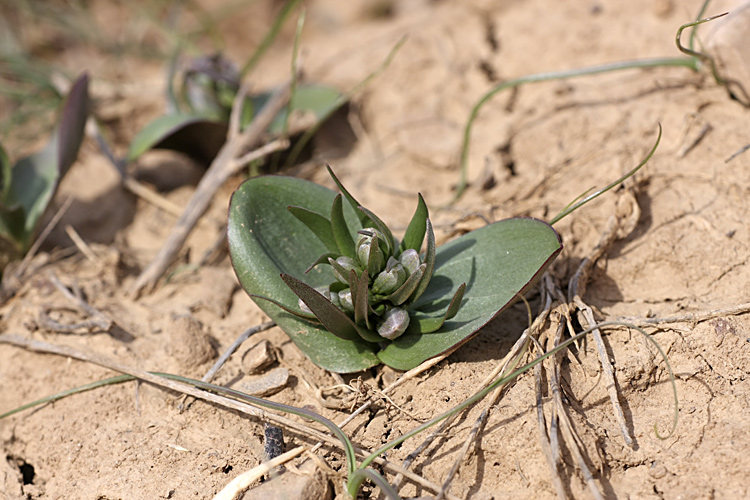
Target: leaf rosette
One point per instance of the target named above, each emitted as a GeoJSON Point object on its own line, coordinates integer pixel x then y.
{"type": "Point", "coordinates": [334, 278]}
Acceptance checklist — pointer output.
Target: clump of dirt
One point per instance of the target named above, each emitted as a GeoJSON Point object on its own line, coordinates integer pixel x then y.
{"type": "Point", "coordinates": [533, 150]}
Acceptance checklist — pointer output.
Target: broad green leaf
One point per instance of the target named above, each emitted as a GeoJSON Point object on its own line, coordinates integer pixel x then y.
{"type": "Point", "coordinates": [414, 235]}
{"type": "Point", "coordinates": [265, 240]}
{"type": "Point", "coordinates": [196, 135]}
{"type": "Point", "coordinates": [498, 263]}
{"type": "Point", "coordinates": [318, 224]}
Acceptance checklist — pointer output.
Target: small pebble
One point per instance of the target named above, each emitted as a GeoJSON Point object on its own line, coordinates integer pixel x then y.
{"type": "Point", "coordinates": [258, 357]}
{"type": "Point", "coordinates": [270, 383]}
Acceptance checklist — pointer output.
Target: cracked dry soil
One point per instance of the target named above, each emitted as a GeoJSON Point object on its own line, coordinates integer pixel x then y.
{"type": "Point", "coordinates": [532, 151]}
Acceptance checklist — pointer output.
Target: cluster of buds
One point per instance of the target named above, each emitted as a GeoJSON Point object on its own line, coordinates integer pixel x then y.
{"type": "Point", "coordinates": [391, 282]}
{"type": "Point", "coordinates": [375, 279]}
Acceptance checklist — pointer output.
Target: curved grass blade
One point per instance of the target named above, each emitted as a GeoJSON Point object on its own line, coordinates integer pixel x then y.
{"type": "Point", "coordinates": [575, 206]}
{"type": "Point", "coordinates": [414, 235]}
{"type": "Point", "coordinates": [318, 224]}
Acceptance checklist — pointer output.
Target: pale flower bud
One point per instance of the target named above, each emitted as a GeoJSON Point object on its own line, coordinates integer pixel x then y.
{"type": "Point", "coordinates": [365, 247]}
{"type": "Point", "coordinates": [410, 260]}
{"type": "Point", "coordinates": [394, 323]}
{"type": "Point", "coordinates": [346, 301]}
{"type": "Point", "coordinates": [389, 280]}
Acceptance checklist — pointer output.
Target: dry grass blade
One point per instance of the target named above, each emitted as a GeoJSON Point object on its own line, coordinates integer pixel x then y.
{"type": "Point", "coordinates": [211, 373]}
{"type": "Point", "coordinates": [545, 436]}
{"type": "Point", "coordinates": [145, 376]}
{"type": "Point", "coordinates": [577, 289]}
{"type": "Point", "coordinates": [45, 347]}
{"type": "Point", "coordinates": [98, 319]}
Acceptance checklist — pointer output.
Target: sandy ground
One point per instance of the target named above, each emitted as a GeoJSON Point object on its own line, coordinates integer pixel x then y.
{"type": "Point", "coordinates": [532, 151]}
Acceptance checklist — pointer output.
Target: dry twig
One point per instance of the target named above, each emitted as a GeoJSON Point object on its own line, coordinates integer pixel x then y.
{"type": "Point", "coordinates": [48, 348]}
{"type": "Point", "coordinates": [224, 165]}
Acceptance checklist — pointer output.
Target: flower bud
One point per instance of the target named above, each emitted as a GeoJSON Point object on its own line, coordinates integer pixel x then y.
{"type": "Point", "coordinates": [394, 323]}
{"type": "Point", "coordinates": [389, 280]}
{"type": "Point", "coordinates": [346, 301]}
{"type": "Point", "coordinates": [410, 260]}
{"type": "Point", "coordinates": [341, 267]}
{"type": "Point", "coordinates": [365, 247]}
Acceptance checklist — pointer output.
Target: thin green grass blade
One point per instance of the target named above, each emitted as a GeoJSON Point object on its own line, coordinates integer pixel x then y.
{"type": "Point", "coordinates": [572, 208]}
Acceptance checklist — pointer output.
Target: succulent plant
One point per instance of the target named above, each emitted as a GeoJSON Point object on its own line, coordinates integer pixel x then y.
{"type": "Point", "coordinates": [351, 296]}
{"type": "Point", "coordinates": [373, 280]}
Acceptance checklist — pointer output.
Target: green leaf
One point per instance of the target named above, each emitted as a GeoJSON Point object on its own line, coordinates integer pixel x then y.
{"type": "Point", "coordinates": [379, 224]}
{"type": "Point", "coordinates": [323, 259]}
{"type": "Point", "coordinates": [498, 263]}
{"type": "Point", "coordinates": [415, 232]}
{"type": "Point", "coordinates": [429, 324]}
{"type": "Point", "coordinates": [318, 224]}
{"type": "Point", "coordinates": [266, 240]}
{"type": "Point", "coordinates": [429, 260]}
{"type": "Point", "coordinates": [6, 174]}
{"type": "Point", "coordinates": [333, 318]}
{"type": "Point", "coordinates": [34, 179]}
{"type": "Point", "coordinates": [341, 231]}
{"type": "Point", "coordinates": [196, 135]}
{"type": "Point", "coordinates": [364, 220]}
{"type": "Point", "coordinates": [412, 282]}
{"type": "Point", "coordinates": [290, 310]}
{"type": "Point", "coordinates": [359, 292]}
